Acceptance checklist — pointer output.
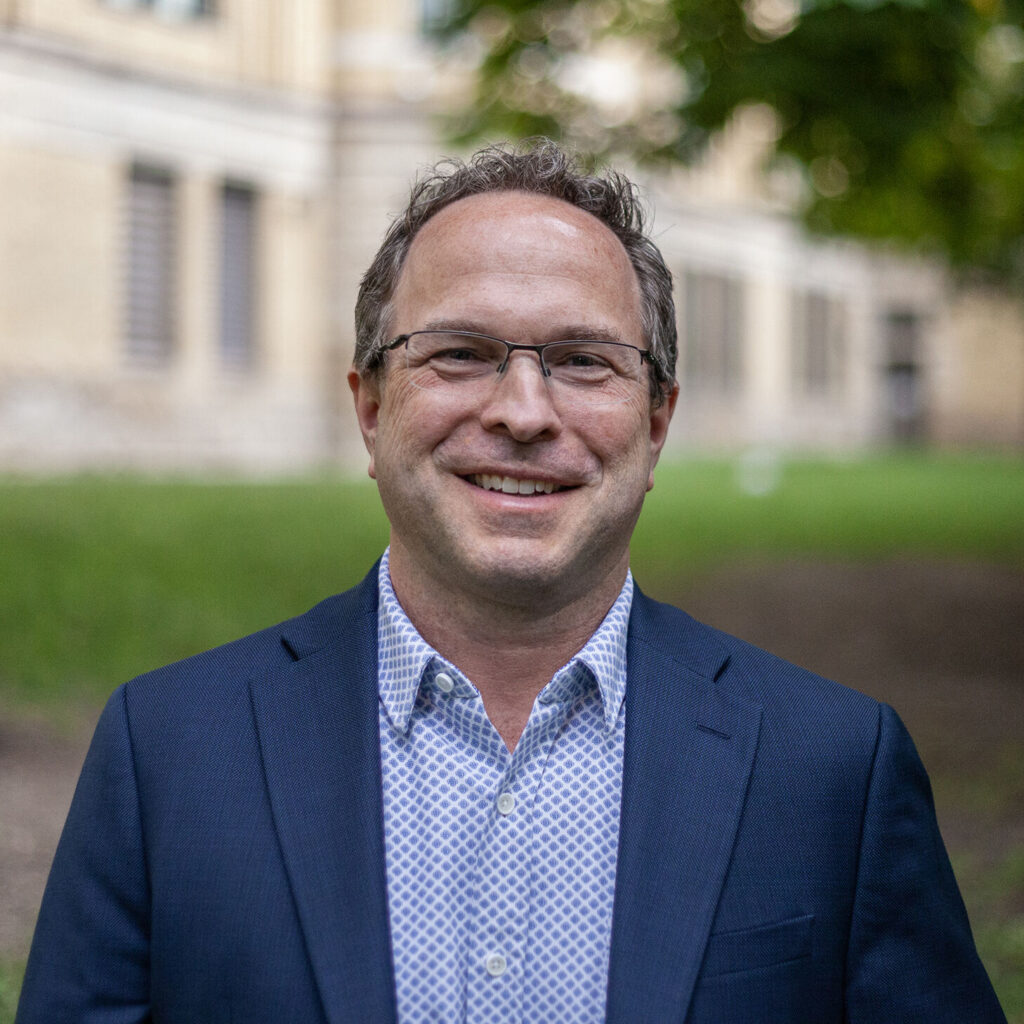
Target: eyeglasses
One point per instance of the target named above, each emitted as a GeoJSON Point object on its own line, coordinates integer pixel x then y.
{"type": "Point", "coordinates": [592, 372]}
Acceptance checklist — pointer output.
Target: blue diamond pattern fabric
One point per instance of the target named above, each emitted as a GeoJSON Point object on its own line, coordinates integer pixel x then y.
{"type": "Point", "coordinates": [500, 866]}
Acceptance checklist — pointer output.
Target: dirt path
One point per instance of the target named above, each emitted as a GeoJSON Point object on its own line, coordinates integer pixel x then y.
{"type": "Point", "coordinates": [38, 769]}
{"type": "Point", "coordinates": [943, 643]}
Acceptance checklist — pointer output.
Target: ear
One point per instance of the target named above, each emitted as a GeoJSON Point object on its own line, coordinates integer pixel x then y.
{"type": "Point", "coordinates": [661, 417]}
{"type": "Point", "coordinates": [366, 394]}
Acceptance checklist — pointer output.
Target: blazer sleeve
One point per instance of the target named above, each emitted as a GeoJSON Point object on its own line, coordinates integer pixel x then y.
{"type": "Point", "coordinates": [911, 954]}
{"type": "Point", "coordinates": [89, 961]}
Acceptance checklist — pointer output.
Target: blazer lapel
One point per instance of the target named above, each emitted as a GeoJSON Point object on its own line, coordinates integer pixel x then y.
{"type": "Point", "coordinates": [318, 732]}
{"type": "Point", "coordinates": [688, 756]}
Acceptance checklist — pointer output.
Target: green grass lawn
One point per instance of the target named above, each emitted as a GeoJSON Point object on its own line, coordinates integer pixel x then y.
{"type": "Point", "coordinates": [11, 974]}
{"type": "Point", "coordinates": [698, 516]}
{"type": "Point", "coordinates": [102, 578]}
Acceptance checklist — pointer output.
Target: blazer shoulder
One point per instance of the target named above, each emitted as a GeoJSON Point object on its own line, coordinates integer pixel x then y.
{"type": "Point", "coordinates": [743, 670]}
{"type": "Point", "coordinates": [233, 664]}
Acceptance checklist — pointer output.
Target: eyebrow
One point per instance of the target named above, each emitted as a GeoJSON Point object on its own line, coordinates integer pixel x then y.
{"type": "Point", "coordinates": [571, 332]}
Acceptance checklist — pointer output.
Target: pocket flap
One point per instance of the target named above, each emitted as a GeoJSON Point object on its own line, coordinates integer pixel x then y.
{"type": "Point", "coordinates": [749, 948]}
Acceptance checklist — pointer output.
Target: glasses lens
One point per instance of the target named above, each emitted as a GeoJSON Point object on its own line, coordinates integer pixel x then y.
{"type": "Point", "coordinates": [437, 358]}
{"type": "Point", "coordinates": [595, 372]}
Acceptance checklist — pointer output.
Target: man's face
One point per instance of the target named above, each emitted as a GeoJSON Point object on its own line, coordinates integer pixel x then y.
{"type": "Point", "coordinates": [530, 270]}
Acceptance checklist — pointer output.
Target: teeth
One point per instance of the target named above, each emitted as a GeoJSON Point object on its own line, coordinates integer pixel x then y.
{"type": "Point", "coordinates": [510, 485]}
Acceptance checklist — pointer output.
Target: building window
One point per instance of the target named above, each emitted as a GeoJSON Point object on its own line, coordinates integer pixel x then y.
{"type": "Point", "coordinates": [151, 255]}
{"type": "Point", "coordinates": [713, 327]}
{"type": "Point", "coordinates": [238, 210]}
{"type": "Point", "coordinates": [818, 344]}
{"type": "Point", "coordinates": [904, 390]}
{"type": "Point", "coordinates": [179, 10]}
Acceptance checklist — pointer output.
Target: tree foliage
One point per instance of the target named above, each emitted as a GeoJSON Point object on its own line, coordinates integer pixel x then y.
{"type": "Point", "coordinates": [904, 119]}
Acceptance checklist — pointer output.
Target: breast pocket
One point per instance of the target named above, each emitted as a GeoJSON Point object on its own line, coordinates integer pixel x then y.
{"type": "Point", "coordinates": [763, 946]}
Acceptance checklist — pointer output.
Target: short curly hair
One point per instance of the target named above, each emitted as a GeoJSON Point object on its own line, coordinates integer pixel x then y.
{"type": "Point", "coordinates": [539, 167]}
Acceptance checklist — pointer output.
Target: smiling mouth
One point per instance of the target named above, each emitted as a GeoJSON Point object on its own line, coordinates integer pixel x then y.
{"type": "Point", "coordinates": [510, 485]}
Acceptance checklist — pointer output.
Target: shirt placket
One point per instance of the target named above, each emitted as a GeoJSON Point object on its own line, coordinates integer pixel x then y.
{"type": "Point", "coordinates": [500, 890]}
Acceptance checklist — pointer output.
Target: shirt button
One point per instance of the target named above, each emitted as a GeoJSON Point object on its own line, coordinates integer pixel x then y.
{"type": "Point", "coordinates": [445, 683]}
{"type": "Point", "coordinates": [496, 965]}
{"type": "Point", "coordinates": [506, 803]}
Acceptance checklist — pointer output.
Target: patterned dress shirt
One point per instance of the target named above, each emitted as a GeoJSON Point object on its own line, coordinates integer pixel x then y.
{"type": "Point", "coordinates": [500, 866]}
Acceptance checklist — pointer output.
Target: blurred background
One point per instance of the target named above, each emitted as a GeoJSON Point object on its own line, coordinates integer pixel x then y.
{"type": "Point", "coordinates": [191, 189]}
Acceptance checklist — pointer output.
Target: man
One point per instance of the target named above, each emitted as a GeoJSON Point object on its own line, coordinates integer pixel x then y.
{"type": "Point", "coordinates": [495, 782]}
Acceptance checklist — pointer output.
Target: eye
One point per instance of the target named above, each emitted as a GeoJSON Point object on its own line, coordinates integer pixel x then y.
{"type": "Point", "coordinates": [582, 360]}
{"type": "Point", "coordinates": [457, 355]}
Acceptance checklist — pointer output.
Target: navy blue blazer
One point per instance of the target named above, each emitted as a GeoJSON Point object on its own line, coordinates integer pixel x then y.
{"type": "Point", "coordinates": [223, 859]}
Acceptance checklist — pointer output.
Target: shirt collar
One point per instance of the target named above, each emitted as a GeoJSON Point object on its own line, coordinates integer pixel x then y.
{"type": "Point", "coordinates": [405, 661]}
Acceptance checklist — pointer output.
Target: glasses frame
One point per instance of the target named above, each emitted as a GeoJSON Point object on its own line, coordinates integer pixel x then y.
{"type": "Point", "coordinates": [512, 346]}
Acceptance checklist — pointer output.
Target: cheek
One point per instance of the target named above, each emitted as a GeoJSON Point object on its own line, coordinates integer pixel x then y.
{"type": "Point", "coordinates": [621, 443]}
{"type": "Point", "coordinates": [409, 429]}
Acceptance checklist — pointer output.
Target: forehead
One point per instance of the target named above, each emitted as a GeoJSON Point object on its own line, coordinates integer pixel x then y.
{"type": "Point", "coordinates": [504, 213]}
{"type": "Point", "coordinates": [521, 245]}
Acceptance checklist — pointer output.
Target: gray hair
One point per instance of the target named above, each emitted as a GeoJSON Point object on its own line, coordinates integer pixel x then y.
{"type": "Point", "coordinates": [539, 167]}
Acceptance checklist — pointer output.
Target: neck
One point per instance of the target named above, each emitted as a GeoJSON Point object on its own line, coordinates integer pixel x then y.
{"type": "Point", "coordinates": [509, 650]}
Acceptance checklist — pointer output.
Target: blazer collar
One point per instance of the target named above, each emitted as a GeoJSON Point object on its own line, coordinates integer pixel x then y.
{"type": "Point", "coordinates": [317, 724]}
{"type": "Point", "coordinates": [688, 757]}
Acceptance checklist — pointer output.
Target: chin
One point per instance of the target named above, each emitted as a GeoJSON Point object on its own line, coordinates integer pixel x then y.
{"type": "Point", "coordinates": [525, 577]}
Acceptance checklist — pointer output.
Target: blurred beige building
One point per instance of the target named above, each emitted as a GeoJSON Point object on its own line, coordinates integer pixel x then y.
{"type": "Point", "coordinates": [191, 189]}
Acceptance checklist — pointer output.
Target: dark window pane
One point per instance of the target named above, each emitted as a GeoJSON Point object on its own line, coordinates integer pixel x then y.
{"type": "Point", "coordinates": [151, 254]}
{"type": "Point", "coordinates": [238, 276]}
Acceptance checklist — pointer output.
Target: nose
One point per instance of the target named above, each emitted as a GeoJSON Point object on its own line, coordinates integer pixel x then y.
{"type": "Point", "coordinates": [520, 402]}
